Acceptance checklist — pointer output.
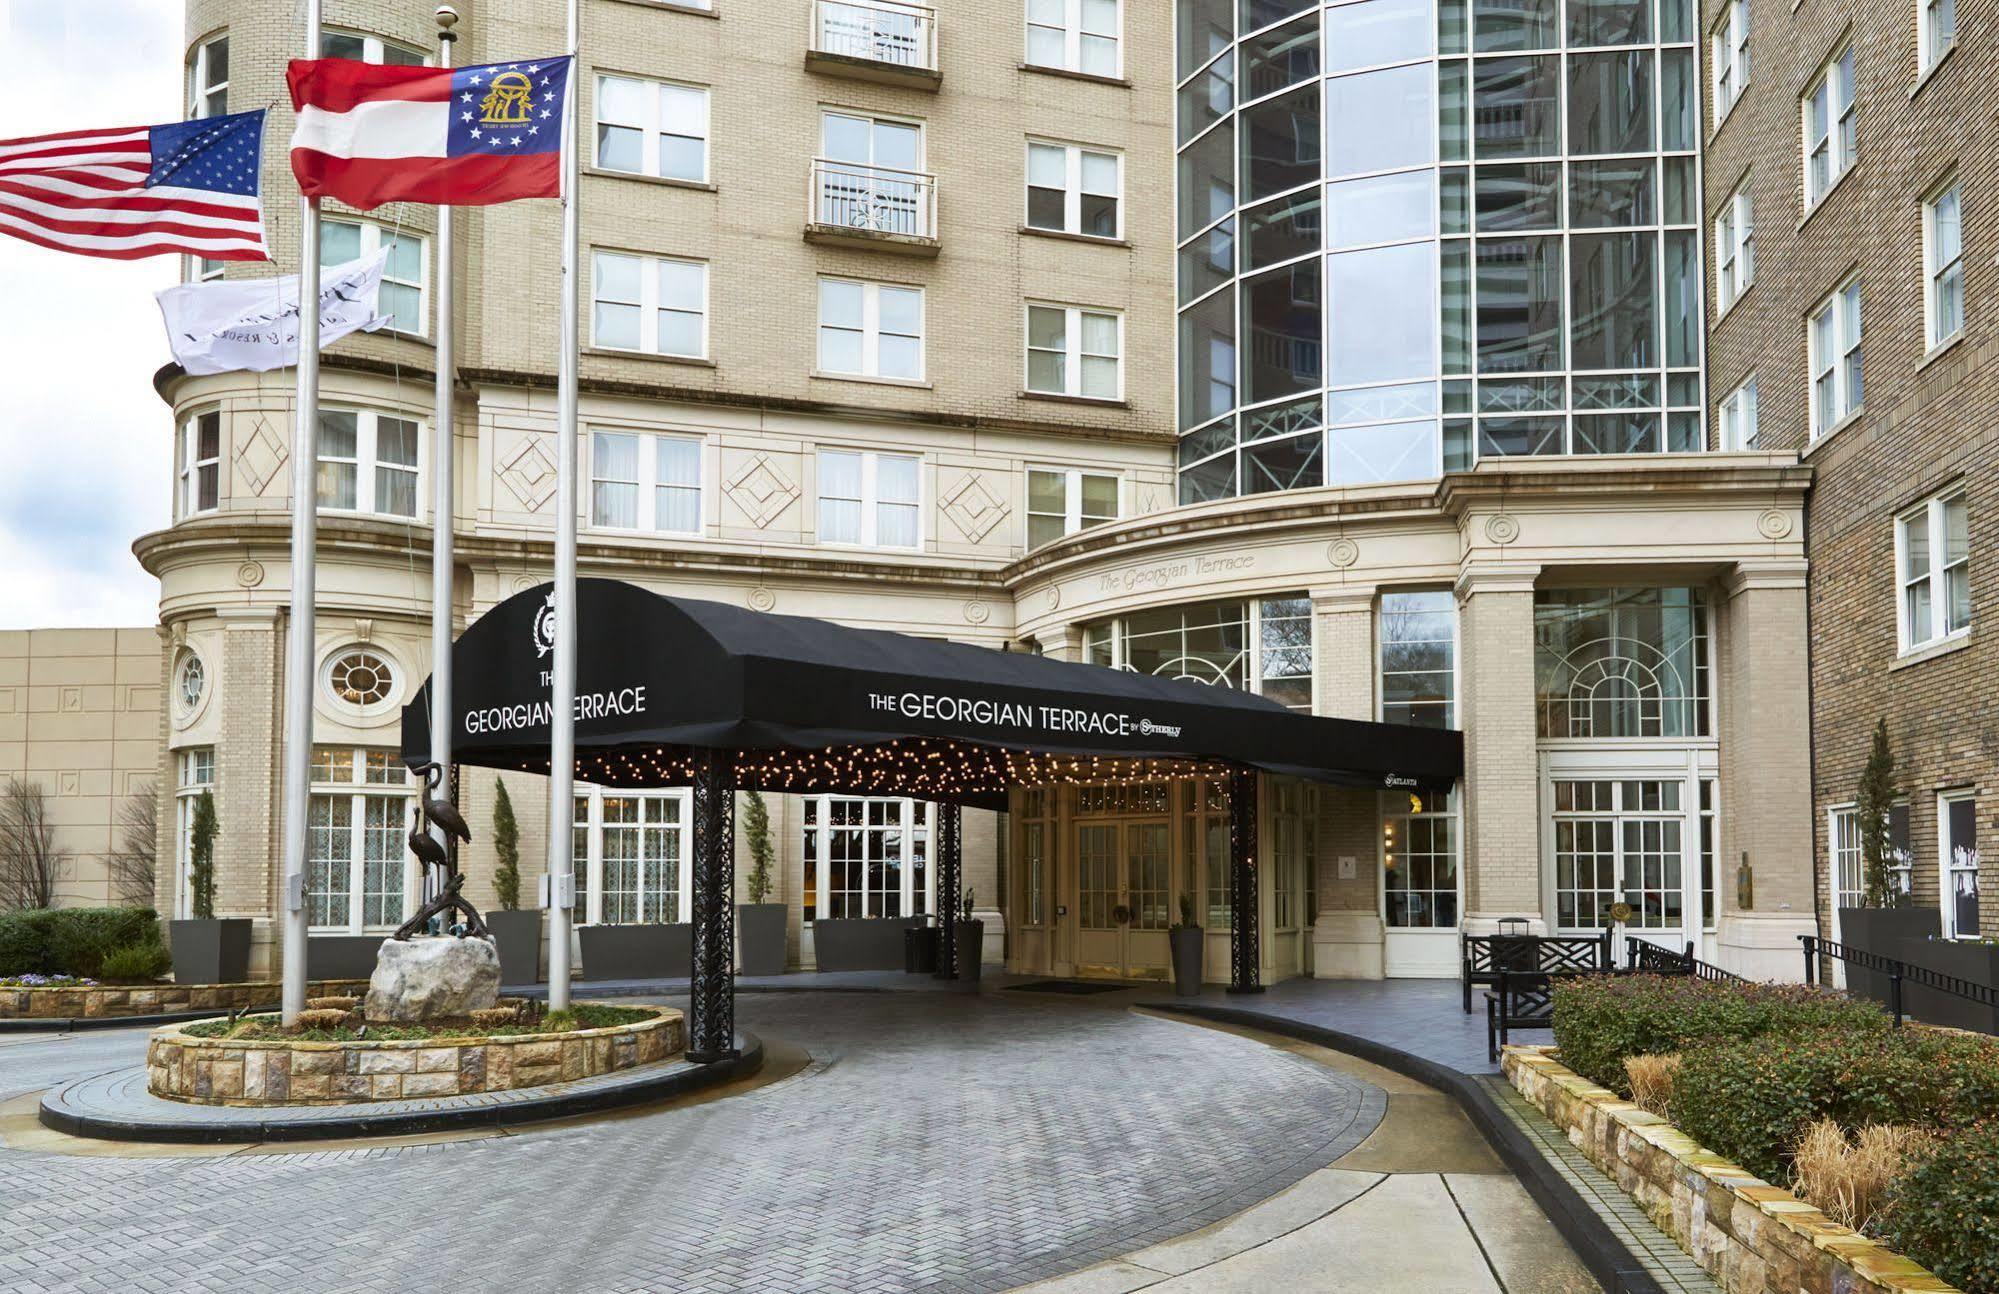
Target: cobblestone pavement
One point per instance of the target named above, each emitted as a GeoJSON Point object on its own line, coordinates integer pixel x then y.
{"type": "Point", "coordinates": [936, 1143]}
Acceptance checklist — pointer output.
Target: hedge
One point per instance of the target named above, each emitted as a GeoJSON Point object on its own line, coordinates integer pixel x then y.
{"type": "Point", "coordinates": [1602, 1019]}
{"type": "Point", "coordinates": [71, 941]}
{"type": "Point", "coordinates": [1943, 1210]}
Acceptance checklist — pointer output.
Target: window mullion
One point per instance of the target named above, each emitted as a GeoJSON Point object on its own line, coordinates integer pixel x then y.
{"type": "Point", "coordinates": [653, 128]}
{"type": "Point", "coordinates": [1072, 195]}
{"type": "Point", "coordinates": [357, 871]}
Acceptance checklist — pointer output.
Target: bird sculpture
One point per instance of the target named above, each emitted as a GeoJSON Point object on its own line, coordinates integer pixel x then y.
{"type": "Point", "coordinates": [439, 809]}
{"type": "Point", "coordinates": [433, 854]}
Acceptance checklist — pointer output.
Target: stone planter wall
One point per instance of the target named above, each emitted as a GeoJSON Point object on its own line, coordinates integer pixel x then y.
{"type": "Point", "coordinates": [225, 1071]}
{"type": "Point", "coordinates": [113, 1000]}
{"type": "Point", "coordinates": [1752, 1237]}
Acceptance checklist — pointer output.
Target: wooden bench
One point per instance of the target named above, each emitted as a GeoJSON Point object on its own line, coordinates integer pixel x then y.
{"type": "Point", "coordinates": [1518, 1000]}
{"type": "Point", "coordinates": [1484, 957]}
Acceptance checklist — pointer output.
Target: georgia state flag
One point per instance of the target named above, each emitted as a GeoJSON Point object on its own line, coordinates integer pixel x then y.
{"type": "Point", "coordinates": [464, 136]}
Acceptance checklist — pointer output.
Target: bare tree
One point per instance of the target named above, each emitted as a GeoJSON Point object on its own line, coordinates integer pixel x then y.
{"type": "Point", "coordinates": [29, 859]}
{"type": "Point", "coordinates": [133, 860]}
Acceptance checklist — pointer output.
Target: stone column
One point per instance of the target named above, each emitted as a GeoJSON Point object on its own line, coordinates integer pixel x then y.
{"type": "Point", "coordinates": [1501, 790]}
{"type": "Point", "coordinates": [249, 749]}
{"type": "Point", "coordinates": [1061, 642]}
{"type": "Point", "coordinates": [1764, 701]}
{"type": "Point", "coordinates": [1347, 936]}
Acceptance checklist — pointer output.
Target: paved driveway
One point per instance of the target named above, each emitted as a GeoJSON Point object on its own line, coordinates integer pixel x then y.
{"type": "Point", "coordinates": [937, 1142]}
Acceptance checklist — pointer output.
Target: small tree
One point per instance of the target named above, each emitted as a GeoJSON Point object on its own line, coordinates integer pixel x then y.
{"type": "Point", "coordinates": [756, 832]}
{"type": "Point", "coordinates": [506, 844]}
{"type": "Point", "coordinates": [201, 857]}
{"type": "Point", "coordinates": [30, 863]}
{"type": "Point", "coordinates": [1872, 802]}
{"type": "Point", "coordinates": [133, 861]}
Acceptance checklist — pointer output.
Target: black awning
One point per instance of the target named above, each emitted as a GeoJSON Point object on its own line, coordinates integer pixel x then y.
{"type": "Point", "coordinates": [811, 705]}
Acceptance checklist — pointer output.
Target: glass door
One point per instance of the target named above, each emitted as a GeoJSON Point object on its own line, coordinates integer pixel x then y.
{"type": "Point", "coordinates": [1626, 830]}
{"type": "Point", "coordinates": [873, 179]}
{"type": "Point", "coordinates": [1124, 899]}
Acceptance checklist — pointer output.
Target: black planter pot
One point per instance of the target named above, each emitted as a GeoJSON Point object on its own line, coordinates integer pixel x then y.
{"type": "Point", "coordinates": [860, 943]}
{"type": "Point", "coordinates": [518, 935]}
{"type": "Point", "coordinates": [971, 948]}
{"type": "Point", "coordinates": [341, 956]}
{"type": "Point", "coordinates": [1976, 962]}
{"type": "Point", "coordinates": [638, 952]}
{"type": "Point", "coordinates": [760, 934]}
{"type": "Point", "coordinates": [1885, 932]}
{"type": "Point", "coordinates": [210, 950]}
{"type": "Point", "coordinates": [1187, 948]}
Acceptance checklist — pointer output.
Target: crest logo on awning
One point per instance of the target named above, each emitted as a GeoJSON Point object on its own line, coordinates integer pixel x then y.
{"type": "Point", "coordinates": [544, 627]}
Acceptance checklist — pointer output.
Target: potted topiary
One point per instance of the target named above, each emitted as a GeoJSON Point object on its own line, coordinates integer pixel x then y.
{"type": "Point", "coordinates": [1886, 923]}
{"type": "Point", "coordinates": [207, 949]}
{"type": "Point", "coordinates": [760, 926]}
{"type": "Point", "coordinates": [971, 939]}
{"type": "Point", "coordinates": [517, 933]}
{"type": "Point", "coordinates": [1186, 938]}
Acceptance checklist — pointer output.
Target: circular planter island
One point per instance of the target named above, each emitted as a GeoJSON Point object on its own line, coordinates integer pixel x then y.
{"type": "Point", "coordinates": [211, 1062]}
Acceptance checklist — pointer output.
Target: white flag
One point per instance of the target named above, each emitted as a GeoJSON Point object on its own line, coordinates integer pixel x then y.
{"type": "Point", "coordinates": [253, 325]}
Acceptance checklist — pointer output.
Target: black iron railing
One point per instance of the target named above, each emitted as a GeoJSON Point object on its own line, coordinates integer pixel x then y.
{"type": "Point", "coordinates": [1654, 959]}
{"type": "Point", "coordinates": [1897, 972]}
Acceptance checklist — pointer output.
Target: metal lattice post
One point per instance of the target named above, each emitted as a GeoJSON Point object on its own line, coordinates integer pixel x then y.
{"type": "Point", "coordinates": [1245, 951]}
{"type": "Point", "coordinates": [950, 820]}
{"type": "Point", "coordinates": [711, 1031]}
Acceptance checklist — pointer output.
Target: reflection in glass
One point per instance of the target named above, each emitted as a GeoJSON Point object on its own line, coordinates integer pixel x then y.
{"type": "Point", "coordinates": [1281, 315]}
{"type": "Point", "coordinates": [1207, 359]}
{"type": "Point", "coordinates": [1280, 143]}
{"type": "Point", "coordinates": [1455, 282]}
{"type": "Point", "coordinates": [1402, 451]}
{"type": "Point", "coordinates": [1381, 209]}
{"type": "Point", "coordinates": [1609, 22]}
{"type": "Point", "coordinates": [1376, 32]}
{"type": "Point", "coordinates": [1617, 433]}
{"type": "Point", "coordinates": [1610, 102]}
{"type": "Point", "coordinates": [1282, 229]}
{"type": "Point", "coordinates": [1614, 192]}
{"type": "Point", "coordinates": [1292, 464]}
{"type": "Point", "coordinates": [1384, 314]}
{"type": "Point", "coordinates": [1204, 30]}
{"type": "Point", "coordinates": [1516, 108]}
{"type": "Point", "coordinates": [1207, 178]}
{"type": "Point", "coordinates": [1681, 306]}
{"type": "Point", "coordinates": [1453, 111]}
{"type": "Point", "coordinates": [1207, 262]}
{"type": "Point", "coordinates": [1207, 98]}
{"type": "Point", "coordinates": [1211, 480]}
{"type": "Point", "coordinates": [1380, 121]}
{"type": "Point", "coordinates": [1280, 57]}
{"type": "Point", "coordinates": [1261, 13]}
{"type": "Point", "coordinates": [1519, 197]}
{"type": "Point", "coordinates": [1502, 26]}
{"type": "Point", "coordinates": [1515, 437]}
{"type": "Point", "coordinates": [1281, 419]}
{"type": "Point", "coordinates": [1679, 190]}
{"type": "Point", "coordinates": [1611, 292]}
{"type": "Point", "coordinates": [1678, 99]}
{"type": "Point", "coordinates": [1207, 441]}
{"type": "Point", "coordinates": [1519, 304]}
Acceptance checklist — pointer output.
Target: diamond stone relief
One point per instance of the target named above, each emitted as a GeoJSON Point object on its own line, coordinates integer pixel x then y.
{"type": "Point", "coordinates": [973, 507]}
{"type": "Point", "coordinates": [260, 456]}
{"type": "Point", "coordinates": [761, 490]}
{"type": "Point", "coordinates": [529, 474]}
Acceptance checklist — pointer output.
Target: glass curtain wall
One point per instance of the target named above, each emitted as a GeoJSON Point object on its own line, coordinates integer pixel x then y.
{"type": "Point", "coordinates": [1418, 232]}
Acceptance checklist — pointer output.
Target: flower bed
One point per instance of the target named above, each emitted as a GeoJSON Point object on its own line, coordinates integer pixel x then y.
{"type": "Point", "coordinates": [184, 1066]}
{"type": "Point", "coordinates": [91, 1001]}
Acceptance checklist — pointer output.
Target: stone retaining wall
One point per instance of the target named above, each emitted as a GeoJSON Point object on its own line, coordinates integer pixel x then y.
{"type": "Point", "coordinates": [227, 1071]}
{"type": "Point", "coordinates": [1752, 1237]}
{"type": "Point", "coordinates": [114, 1000]}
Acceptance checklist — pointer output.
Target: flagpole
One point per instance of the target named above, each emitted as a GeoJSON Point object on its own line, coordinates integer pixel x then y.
{"type": "Point", "coordinates": [444, 506]}
{"type": "Point", "coordinates": [299, 649]}
{"type": "Point", "coordinates": [562, 691]}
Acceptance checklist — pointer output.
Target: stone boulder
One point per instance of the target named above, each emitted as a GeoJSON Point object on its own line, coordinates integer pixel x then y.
{"type": "Point", "coordinates": [435, 977]}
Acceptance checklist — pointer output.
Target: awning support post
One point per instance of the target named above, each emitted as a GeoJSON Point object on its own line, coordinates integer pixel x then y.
{"type": "Point", "coordinates": [1245, 951]}
{"type": "Point", "coordinates": [711, 1026]}
{"type": "Point", "coordinates": [950, 821]}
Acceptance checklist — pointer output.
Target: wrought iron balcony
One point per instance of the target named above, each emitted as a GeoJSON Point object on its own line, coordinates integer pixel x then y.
{"type": "Point", "coordinates": [872, 206]}
{"type": "Point", "coordinates": [875, 40]}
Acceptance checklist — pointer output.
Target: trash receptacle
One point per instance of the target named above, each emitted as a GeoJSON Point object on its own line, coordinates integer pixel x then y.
{"type": "Point", "coordinates": [919, 950]}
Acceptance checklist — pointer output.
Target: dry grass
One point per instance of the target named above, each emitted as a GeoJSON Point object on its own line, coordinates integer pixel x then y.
{"type": "Point", "coordinates": [494, 1017]}
{"type": "Point", "coordinates": [333, 1003]}
{"type": "Point", "coordinates": [1845, 1178]}
{"type": "Point", "coordinates": [1652, 1082]}
{"type": "Point", "coordinates": [322, 1018]}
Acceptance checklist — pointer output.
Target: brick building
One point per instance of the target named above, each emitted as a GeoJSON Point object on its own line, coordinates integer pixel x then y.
{"type": "Point", "coordinates": [1848, 176]}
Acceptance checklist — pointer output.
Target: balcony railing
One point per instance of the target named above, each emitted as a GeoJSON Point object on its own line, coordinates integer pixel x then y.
{"type": "Point", "coordinates": [885, 40]}
{"type": "Point", "coordinates": [872, 205]}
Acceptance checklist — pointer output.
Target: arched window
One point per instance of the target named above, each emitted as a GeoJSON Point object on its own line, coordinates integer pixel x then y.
{"type": "Point", "coordinates": [190, 686]}
{"type": "Point", "coordinates": [360, 679]}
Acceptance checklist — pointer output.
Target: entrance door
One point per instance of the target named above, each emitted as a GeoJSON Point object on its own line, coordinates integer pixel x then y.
{"type": "Point", "coordinates": [1124, 872]}
{"type": "Point", "coordinates": [1421, 886]}
{"type": "Point", "coordinates": [1626, 836]}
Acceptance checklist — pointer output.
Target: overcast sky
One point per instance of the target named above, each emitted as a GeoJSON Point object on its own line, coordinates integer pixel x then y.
{"type": "Point", "coordinates": [88, 443]}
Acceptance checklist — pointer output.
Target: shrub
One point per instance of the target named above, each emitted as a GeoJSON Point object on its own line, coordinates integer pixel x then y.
{"type": "Point", "coordinates": [1942, 1210]}
{"type": "Point", "coordinates": [1846, 1178]}
{"type": "Point", "coordinates": [1753, 1103]}
{"type": "Point", "coordinates": [1601, 1020]}
{"type": "Point", "coordinates": [507, 849]}
{"type": "Point", "coordinates": [71, 941]}
{"type": "Point", "coordinates": [201, 857]}
{"type": "Point", "coordinates": [137, 962]}
{"type": "Point", "coordinates": [1652, 1081]}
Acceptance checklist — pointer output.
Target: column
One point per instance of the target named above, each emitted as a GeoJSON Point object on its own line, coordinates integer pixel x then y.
{"type": "Point", "coordinates": [1245, 944]}
{"type": "Point", "coordinates": [1501, 791]}
{"type": "Point", "coordinates": [1764, 863]}
{"type": "Point", "coordinates": [1347, 936]}
{"type": "Point", "coordinates": [711, 1025]}
{"type": "Point", "coordinates": [950, 821]}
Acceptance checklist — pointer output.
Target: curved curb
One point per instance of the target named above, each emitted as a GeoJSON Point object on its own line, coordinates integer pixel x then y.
{"type": "Point", "coordinates": [561, 1105]}
{"type": "Point", "coordinates": [71, 1024]}
{"type": "Point", "coordinates": [1613, 1265]}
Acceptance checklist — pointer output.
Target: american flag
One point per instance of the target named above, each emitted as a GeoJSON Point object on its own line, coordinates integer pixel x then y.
{"type": "Point", "coordinates": [187, 186]}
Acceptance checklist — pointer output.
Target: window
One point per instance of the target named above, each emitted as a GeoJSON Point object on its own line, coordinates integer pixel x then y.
{"type": "Point", "coordinates": [1621, 663]}
{"type": "Point", "coordinates": [1419, 634]}
{"type": "Point", "coordinates": [190, 685]}
{"type": "Point", "coordinates": [1936, 33]}
{"type": "Point", "coordinates": [1834, 343]}
{"type": "Point", "coordinates": [1061, 502]}
{"type": "Point", "coordinates": [199, 269]}
{"type": "Point", "coordinates": [870, 329]}
{"type": "Point", "coordinates": [1035, 814]}
{"type": "Point", "coordinates": [1076, 35]}
{"type": "Point", "coordinates": [1734, 250]}
{"type": "Point", "coordinates": [1263, 645]}
{"type": "Point", "coordinates": [404, 298]}
{"type": "Point", "coordinates": [208, 79]}
{"type": "Point", "coordinates": [1731, 58]}
{"type": "Point", "coordinates": [356, 856]}
{"type": "Point", "coordinates": [360, 679]}
{"type": "Point", "coordinates": [1073, 190]}
{"type": "Point", "coordinates": [1738, 416]}
{"type": "Point", "coordinates": [1619, 842]}
{"type": "Point", "coordinates": [1943, 264]}
{"type": "Point", "coordinates": [631, 856]}
{"type": "Point", "coordinates": [1710, 812]}
{"type": "Point", "coordinates": [194, 775]}
{"type": "Point", "coordinates": [1849, 873]}
{"type": "Point", "coordinates": [368, 462]}
{"type": "Point", "coordinates": [868, 499]}
{"type": "Point", "coordinates": [1293, 818]}
{"type": "Point", "coordinates": [1828, 129]}
{"type": "Point", "coordinates": [652, 128]}
{"type": "Point", "coordinates": [640, 482]}
{"type": "Point", "coordinates": [867, 858]}
{"type": "Point", "coordinates": [1419, 860]}
{"type": "Point", "coordinates": [1075, 352]}
{"type": "Point", "coordinates": [649, 304]}
{"type": "Point", "coordinates": [200, 463]}
{"type": "Point", "coordinates": [369, 49]}
{"type": "Point", "coordinates": [1957, 839]}
{"type": "Point", "coordinates": [1933, 560]}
